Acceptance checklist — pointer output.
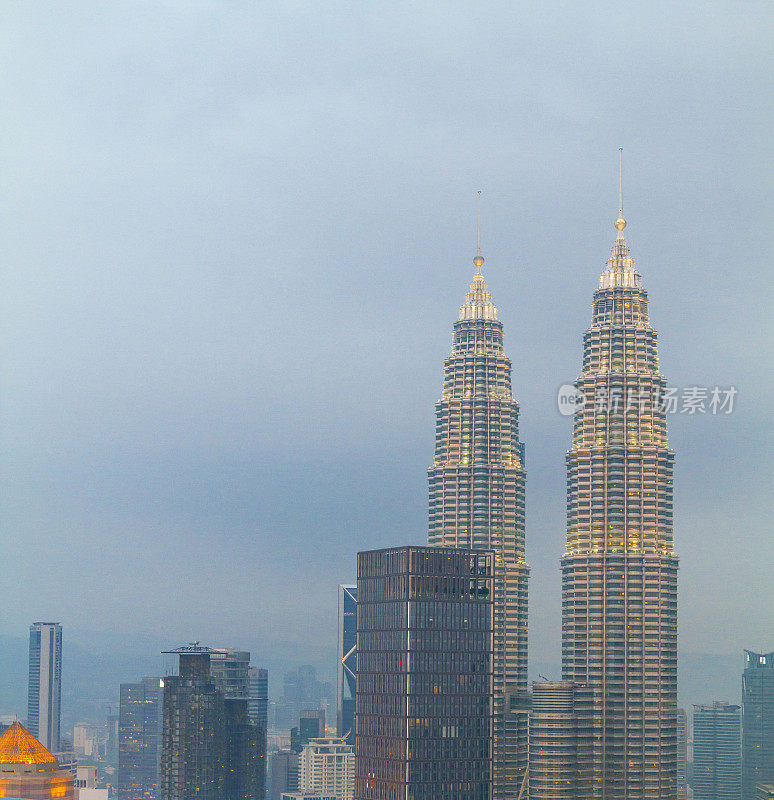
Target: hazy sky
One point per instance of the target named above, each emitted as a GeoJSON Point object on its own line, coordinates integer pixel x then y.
{"type": "Point", "coordinates": [235, 239]}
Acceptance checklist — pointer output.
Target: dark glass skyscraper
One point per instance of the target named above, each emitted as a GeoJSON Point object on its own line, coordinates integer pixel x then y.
{"type": "Point", "coordinates": [347, 663]}
{"type": "Point", "coordinates": [757, 722]}
{"type": "Point", "coordinates": [619, 570]}
{"type": "Point", "coordinates": [424, 674]}
{"type": "Point", "coordinates": [44, 687]}
{"type": "Point", "coordinates": [477, 501]}
{"type": "Point", "coordinates": [210, 751]}
{"type": "Point", "coordinates": [139, 740]}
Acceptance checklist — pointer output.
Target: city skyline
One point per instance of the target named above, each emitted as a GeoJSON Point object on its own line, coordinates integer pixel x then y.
{"type": "Point", "coordinates": [173, 331]}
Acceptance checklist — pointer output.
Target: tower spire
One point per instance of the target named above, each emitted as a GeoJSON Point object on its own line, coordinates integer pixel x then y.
{"type": "Point", "coordinates": [478, 261]}
{"type": "Point", "coordinates": [620, 223]}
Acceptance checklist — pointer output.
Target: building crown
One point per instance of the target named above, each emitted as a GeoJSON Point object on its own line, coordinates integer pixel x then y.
{"type": "Point", "coordinates": [478, 301]}
{"type": "Point", "coordinates": [19, 746]}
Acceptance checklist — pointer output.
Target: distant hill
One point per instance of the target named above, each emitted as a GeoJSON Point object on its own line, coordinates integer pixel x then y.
{"type": "Point", "coordinates": [90, 677]}
{"type": "Point", "coordinates": [96, 663]}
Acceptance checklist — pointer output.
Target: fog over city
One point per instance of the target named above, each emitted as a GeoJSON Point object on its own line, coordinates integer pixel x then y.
{"type": "Point", "coordinates": [235, 240]}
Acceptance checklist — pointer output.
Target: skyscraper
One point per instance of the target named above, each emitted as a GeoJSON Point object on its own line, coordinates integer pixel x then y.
{"type": "Point", "coordinates": [717, 753]}
{"type": "Point", "coordinates": [477, 501]}
{"type": "Point", "coordinates": [44, 687]}
{"type": "Point", "coordinates": [283, 773]}
{"type": "Point", "coordinates": [346, 679]}
{"type": "Point", "coordinates": [424, 674]}
{"type": "Point", "coordinates": [757, 722]}
{"type": "Point", "coordinates": [139, 739]}
{"type": "Point", "coordinates": [311, 725]}
{"type": "Point", "coordinates": [619, 570]}
{"type": "Point", "coordinates": [210, 751]}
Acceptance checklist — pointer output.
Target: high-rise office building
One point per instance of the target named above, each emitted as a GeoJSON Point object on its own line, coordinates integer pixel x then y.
{"type": "Point", "coordinates": [717, 754]}
{"type": "Point", "coordinates": [139, 740]}
{"type": "Point", "coordinates": [561, 740]}
{"type": "Point", "coordinates": [423, 711]}
{"type": "Point", "coordinates": [757, 722]}
{"type": "Point", "coordinates": [477, 501]}
{"type": "Point", "coordinates": [230, 670]}
{"type": "Point", "coordinates": [258, 705]}
{"type": "Point", "coordinates": [210, 751]}
{"type": "Point", "coordinates": [346, 679]}
{"type": "Point", "coordinates": [327, 767]}
{"type": "Point", "coordinates": [29, 771]}
{"type": "Point", "coordinates": [682, 754]}
{"type": "Point", "coordinates": [44, 688]}
{"type": "Point", "coordinates": [283, 773]}
{"type": "Point", "coordinates": [619, 570]}
{"type": "Point", "coordinates": [311, 725]}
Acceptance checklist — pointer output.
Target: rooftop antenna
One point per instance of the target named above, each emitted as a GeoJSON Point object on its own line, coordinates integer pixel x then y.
{"type": "Point", "coordinates": [620, 223]}
{"type": "Point", "coordinates": [479, 259]}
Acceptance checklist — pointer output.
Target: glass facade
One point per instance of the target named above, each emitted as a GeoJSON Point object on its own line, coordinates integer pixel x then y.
{"type": "Point", "coordinates": [229, 669]}
{"type": "Point", "coordinates": [139, 740]}
{"type": "Point", "coordinates": [258, 705]}
{"type": "Point", "coordinates": [210, 751]}
{"type": "Point", "coordinates": [347, 663]}
{"type": "Point", "coordinates": [757, 722]}
{"type": "Point", "coordinates": [476, 489]}
{"type": "Point", "coordinates": [619, 570]}
{"type": "Point", "coordinates": [717, 756]}
{"type": "Point", "coordinates": [424, 674]}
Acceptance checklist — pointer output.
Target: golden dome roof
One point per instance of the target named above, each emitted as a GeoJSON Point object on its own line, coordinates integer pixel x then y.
{"type": "Point", "coordinates": [19, 746]}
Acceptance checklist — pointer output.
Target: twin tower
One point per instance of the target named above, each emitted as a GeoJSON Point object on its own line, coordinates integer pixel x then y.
{"type": "Point", "coordinates": [608, 729]}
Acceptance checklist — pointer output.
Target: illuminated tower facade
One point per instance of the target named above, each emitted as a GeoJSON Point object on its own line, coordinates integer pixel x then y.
{"type": "Point", "coordinates": [477, 502]}
{"type": "Point", "coordinates": [619, 570]}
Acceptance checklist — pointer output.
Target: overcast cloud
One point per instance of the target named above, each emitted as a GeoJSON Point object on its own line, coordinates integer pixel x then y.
{"type": "Point", "coordinates": [235, 238]}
